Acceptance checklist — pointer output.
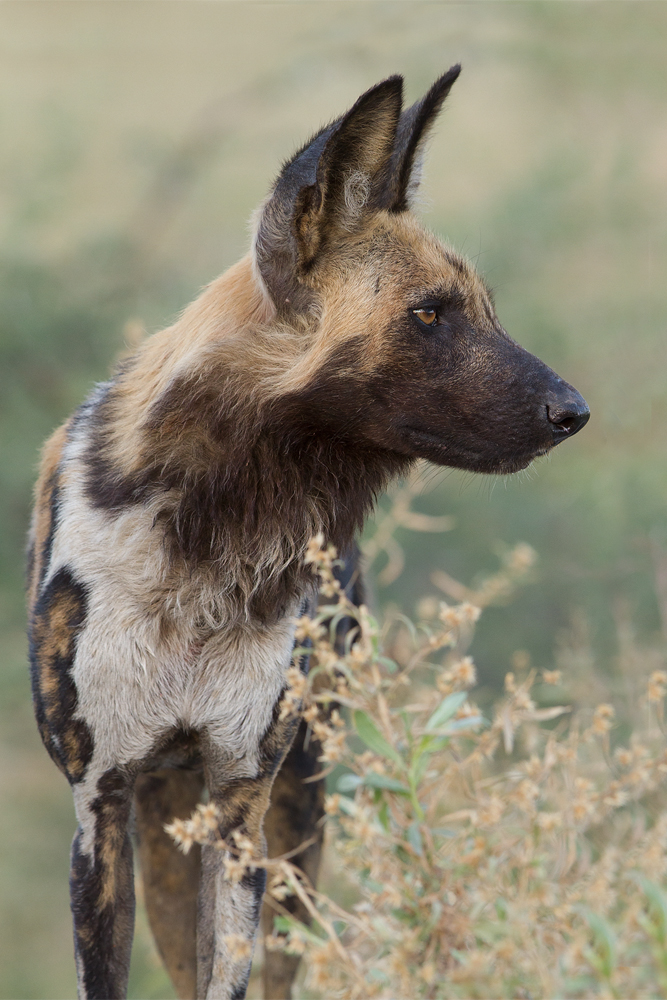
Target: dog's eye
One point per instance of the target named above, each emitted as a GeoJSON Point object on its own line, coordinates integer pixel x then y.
{"type": "Point", "coordinates": [425, 316]}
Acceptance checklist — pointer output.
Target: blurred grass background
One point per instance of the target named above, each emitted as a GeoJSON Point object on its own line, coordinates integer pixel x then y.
{"type": "Point", "coordinates": [137, 139]}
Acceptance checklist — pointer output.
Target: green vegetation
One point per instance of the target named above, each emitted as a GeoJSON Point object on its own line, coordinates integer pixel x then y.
{"type": "Point", "coordinates": [138, 139]}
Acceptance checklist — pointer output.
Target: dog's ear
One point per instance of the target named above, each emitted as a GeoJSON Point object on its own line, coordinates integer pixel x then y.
{"type": "Point", "coordinates": [403, 172]}
{"type": "Point", "coordinates": [324, 191]}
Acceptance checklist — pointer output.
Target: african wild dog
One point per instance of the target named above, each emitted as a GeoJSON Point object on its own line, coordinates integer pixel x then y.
{"type": "Point", "coordinates": [173, 510]}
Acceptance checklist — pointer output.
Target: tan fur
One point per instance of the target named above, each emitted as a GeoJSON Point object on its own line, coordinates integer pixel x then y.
{"type": "Point", "coordinates": [230, 308]}
{"type": "Point", "coordinates": [41, 520]}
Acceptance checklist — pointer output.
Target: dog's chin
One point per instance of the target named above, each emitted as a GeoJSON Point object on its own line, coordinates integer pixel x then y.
{"type": "Point", "coordinates": [495, 466]}
{"type": "Point", "coordinates": [430, 446]}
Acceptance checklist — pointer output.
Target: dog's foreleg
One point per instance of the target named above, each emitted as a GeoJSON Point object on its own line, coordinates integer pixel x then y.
{"type": "Point", "coordinates": [102, 887]}
{"type": "Point", "coordinates": [230, 902]}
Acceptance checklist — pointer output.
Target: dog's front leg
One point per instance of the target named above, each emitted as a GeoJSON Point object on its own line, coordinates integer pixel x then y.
{"type": "Point", "coordinates": [102, 886]}
{"type": "Point", "coordinates": [229, 907]}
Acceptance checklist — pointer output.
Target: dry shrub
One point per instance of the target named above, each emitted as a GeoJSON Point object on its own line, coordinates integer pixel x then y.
{"type": "Point", "coordinates": [510, 857]}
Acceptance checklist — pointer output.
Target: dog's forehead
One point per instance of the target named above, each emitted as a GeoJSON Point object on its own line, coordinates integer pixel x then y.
{"type": "Point", "coordinates": [397, 257]}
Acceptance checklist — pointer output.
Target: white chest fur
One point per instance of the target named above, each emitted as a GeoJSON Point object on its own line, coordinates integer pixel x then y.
{"type": "Point", "coordinates": [132, 694]}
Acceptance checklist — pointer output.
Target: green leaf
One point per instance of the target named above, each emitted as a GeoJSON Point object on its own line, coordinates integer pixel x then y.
{"type": "Point", "coordinates": [348, 782]}
{"type": "Point", "coordinates": [374, 739]}
{"type": "Point", "coordinates": [410, 626]}
{"type": "Point", "coordinates": [347, 806]}
{"type": "Point", "coordinates": [388, 664]}
{"type": "Point", "coordinates": [300, 651]}
{"type": "Point", "coordinates": [403, 855]}
{"type": "Point", "coordinates": [574, 985]}
{"type": "Point", "coordinates": [374, 780]}
{"type": "Point", "coordinates": [430, 744]}
{"type": "Point", "coordinates": [604, 957]}
{"type": "Point", "coordinates": [334, 622]}
{"type": "Point", "coordinates": [407, 722]}
{"type": "Point", "coordinates": [420, 764]}
{"type": "Point", "coordinates": [459, 725]}
{"type": "Point", "coordinates": [372, 885]}
{"type": "Point", "coordinates": [383, 815]}
{"type": "Point", "coordinates": [657, 900]}
{"type": "Point", "coordinates": [446, 709]}
{"type": "Point", "coordinates": [414, 838]}
{"type": "Point", "coordinates": [486, 933]}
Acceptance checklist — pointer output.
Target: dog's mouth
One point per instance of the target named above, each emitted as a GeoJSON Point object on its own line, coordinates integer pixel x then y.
{"type": "Point", "coordinates": [437, 449]}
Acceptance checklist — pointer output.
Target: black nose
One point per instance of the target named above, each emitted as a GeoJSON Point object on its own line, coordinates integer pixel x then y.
{"type": "Point", "coordinates": [567, 415]}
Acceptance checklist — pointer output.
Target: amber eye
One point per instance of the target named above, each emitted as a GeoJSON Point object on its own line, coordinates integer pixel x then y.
{"type": "Point", "coordinates": [426, 316]}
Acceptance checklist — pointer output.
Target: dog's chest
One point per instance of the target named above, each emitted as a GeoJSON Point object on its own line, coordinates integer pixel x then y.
{"type": "Point", "coordinates": [132, 693]}
{"type": "Point", "coordinates": [158, 651]}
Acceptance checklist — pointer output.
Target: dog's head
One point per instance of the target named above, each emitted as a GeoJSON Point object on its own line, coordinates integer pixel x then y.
{"type": "Point", "coordinates": [404, 350]}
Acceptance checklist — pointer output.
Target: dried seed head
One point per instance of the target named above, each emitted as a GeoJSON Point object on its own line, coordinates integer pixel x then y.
{"type": "Point", "coordinates": [657, 685]}
{"type": "Point", "coordinates": [180, 830]}
{"type": "Point", "coordinates": [549, 820]}
{"type": "Point", "coordinates": [239, 948]}
{"type": "Point", "coordinates": [602, 719]}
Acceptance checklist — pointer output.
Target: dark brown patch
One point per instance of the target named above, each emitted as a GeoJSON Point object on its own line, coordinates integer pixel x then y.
{"type": "Point", "coordinates": [52, 498]}
{"type": "Point", "coordinates": [107, 488]}
{"type": "Point", "coordinates": [461, 393]}
{"type": "Point", "coordinates": [56, 621]}
{"type": "Point", "coordinates": [176, 748]}
{"type": "Point", "coordinates": [457, 264]}
{"type": "Point", "coordinates": [29, 564]}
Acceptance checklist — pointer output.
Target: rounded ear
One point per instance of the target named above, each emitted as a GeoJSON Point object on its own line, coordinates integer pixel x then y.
{"type": "Point", "coordinates": [324, 190]}
{"type": "Point", "coordinates": [404, 168]}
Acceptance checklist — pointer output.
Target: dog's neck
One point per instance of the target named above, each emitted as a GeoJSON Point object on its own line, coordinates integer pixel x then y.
{"type": "Point", "coordinates": [252, 513]}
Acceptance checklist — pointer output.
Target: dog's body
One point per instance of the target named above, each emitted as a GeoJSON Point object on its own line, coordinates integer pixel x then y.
{"type": "Point", "coordinates": [174, 508]}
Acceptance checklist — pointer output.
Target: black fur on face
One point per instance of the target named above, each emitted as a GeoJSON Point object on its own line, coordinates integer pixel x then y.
{"type": "Point", "coordinates": [465, 397]}
{"type": "Point", "coordinates": [444, 382]}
